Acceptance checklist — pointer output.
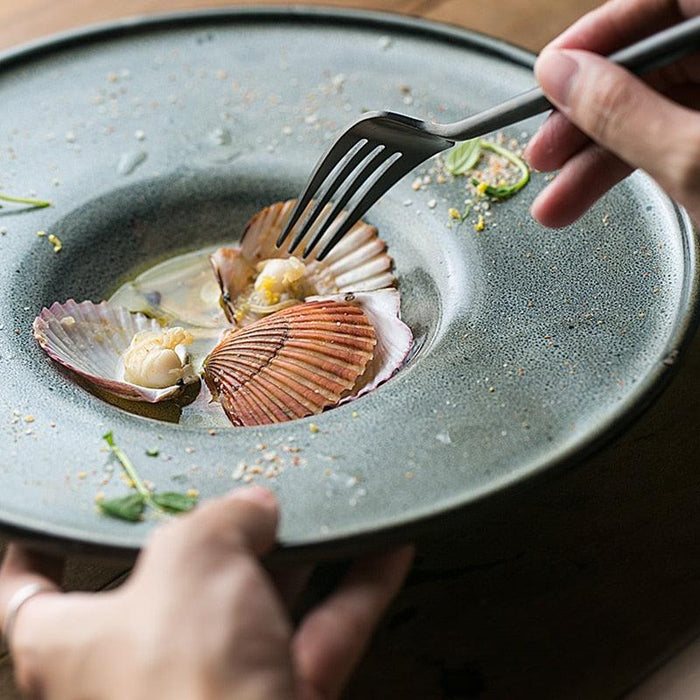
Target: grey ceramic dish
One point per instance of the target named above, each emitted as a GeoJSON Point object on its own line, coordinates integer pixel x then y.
{"type": "Point", "coordinates": [161, 135]}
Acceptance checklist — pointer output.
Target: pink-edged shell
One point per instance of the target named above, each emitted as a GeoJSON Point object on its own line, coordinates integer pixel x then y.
{"type": "Point", "coordinates": [90, 339]}
{"type": "Point", "coordinates": [359, 263]}
{"type": "Point", "coordinates": [394, 337]}
{"type": "Point", "coordinates": [292, 364]}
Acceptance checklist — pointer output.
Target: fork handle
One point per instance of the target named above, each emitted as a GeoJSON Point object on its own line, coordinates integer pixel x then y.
{"type": "Point", "coordinates": [643, 57]}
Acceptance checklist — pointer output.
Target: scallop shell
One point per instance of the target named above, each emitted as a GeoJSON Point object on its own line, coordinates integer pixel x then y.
{"type": "Point", "coordinates": [359, 263]}
{"type": "Point", "coordinates": [233, 273]}
{"type": "Point", "coordinates": [90, 339]}
{"type": "Point", "coordinates": [292, 364]}
{"type": "Point", "coordinates": [394, 337]}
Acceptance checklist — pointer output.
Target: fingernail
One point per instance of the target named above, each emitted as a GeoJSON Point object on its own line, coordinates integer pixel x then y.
{"type": "Point", "coordinates": [556, 71]}
{"type": "Point", "coordinates": [255, 494]}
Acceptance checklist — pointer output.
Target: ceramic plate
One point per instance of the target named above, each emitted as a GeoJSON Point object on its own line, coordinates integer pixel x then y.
{"type": "Point", "coordinates": [159, 136]}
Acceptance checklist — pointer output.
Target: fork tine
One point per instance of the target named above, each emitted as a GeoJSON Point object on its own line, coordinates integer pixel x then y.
{"type": "Point", "coordinates": [323, 168]}
{"type": "Point", "coordinates": [361, 178]}
{"type": "Point", "coordinates": [354, 158]}
{"type": "Point", "coordinates": [393, 174]}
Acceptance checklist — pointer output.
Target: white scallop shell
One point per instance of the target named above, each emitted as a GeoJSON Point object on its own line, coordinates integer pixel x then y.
{"type": "Point", "coordinates": [359, 263]}
{"type": "Point", "coordinates": [90, 339]}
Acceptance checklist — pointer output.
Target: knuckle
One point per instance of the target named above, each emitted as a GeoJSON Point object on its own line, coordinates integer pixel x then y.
{"type": "Point", "coordinates": [164, 547]}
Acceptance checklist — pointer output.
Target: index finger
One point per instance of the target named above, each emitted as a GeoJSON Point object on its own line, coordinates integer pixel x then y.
{"type": "Point", "coordinates": [333, 637]}
{"type": "Point", "coordinates": [618, 23]}
{"type": "Point", "coordinates": [615, 24]}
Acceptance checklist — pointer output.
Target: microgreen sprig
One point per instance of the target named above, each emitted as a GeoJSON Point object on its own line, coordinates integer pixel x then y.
{"type": "Point", "coordinates": [37, 203]}
{"type": "Point", "coordinates": [504, 191]}
{"type": "Point", "coordinates": [132, 507]}
{"type": "Point", "coordinates": [464, 157]}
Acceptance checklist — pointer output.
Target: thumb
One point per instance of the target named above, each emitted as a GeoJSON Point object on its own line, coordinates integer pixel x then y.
{"type": "Point", "coordinates": [625, 115]}
{"type": "Point", "coordinates": [243, 523]}
{"type": "Point", "coordinates": [246, 518]}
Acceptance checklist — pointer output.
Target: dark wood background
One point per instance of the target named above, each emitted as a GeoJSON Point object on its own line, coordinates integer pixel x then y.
{"type": "Point", "coordinates": [577, 588]}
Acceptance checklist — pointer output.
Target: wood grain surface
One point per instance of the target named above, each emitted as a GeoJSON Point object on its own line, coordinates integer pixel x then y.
{"type": "Point", "coordinates": [576, 588]}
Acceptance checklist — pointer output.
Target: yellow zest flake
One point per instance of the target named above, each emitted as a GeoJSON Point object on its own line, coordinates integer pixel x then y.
{"type": "Point", "coordinates": [313, 428]}
{"type": "Point", "coordinates": [482, 187]}
{"type": "Point", "coordinates": [193, 493]}
{"type": "Point", "coordinates": [355, 414]}
{"type": "Point", "coordinates": [55, 241]}
{"type": "Point", "coordinates": [480, 224]}
{"type": "Point", "coordinates": [41, 234]}
{"type": "Point", "coordinates": [454, 213]}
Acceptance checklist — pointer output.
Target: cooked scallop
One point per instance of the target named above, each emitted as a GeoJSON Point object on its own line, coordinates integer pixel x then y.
{"type": "Point", "coordinates": [127, 354]}
{"type": "Point", "coordinates": [257, 279]}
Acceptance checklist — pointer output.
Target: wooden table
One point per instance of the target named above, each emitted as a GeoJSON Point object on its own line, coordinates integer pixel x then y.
{"type": "Point", "coordinates": [573, 589]}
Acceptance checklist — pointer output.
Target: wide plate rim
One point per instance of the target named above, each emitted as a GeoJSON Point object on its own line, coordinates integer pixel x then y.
{"type": "Point", "coordinates": [637, 402]}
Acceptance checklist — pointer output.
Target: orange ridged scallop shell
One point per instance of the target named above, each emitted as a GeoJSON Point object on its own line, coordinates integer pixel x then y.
{"type": "Point", "coordinates": [292, 364]}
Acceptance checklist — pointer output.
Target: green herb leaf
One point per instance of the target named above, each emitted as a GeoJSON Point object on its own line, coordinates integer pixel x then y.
{"type": "Point", "coordinates": [152, 452]}
{"type": "Point", "coordinates": [173, 502]}
{"type": "Point", "coordinates": [505, 191]}
{"type": "Point", "coordinates": [463, 157]}
{"type": "Point", "coordinates": [129, 507]}
{"type": "Point", "coordinates": [38, 203]}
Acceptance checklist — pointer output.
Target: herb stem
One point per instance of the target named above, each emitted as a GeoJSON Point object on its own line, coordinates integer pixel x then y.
{"type": "Point", "coordinates": [131, 507]}
{"type": "Point", "coordinates": [128, 468]}
{"type": "Point", "coordinates": [38, 203]}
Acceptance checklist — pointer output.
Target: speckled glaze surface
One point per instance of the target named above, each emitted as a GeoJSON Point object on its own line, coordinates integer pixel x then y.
{"type": "Point", "coordinates": [155, 137]}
